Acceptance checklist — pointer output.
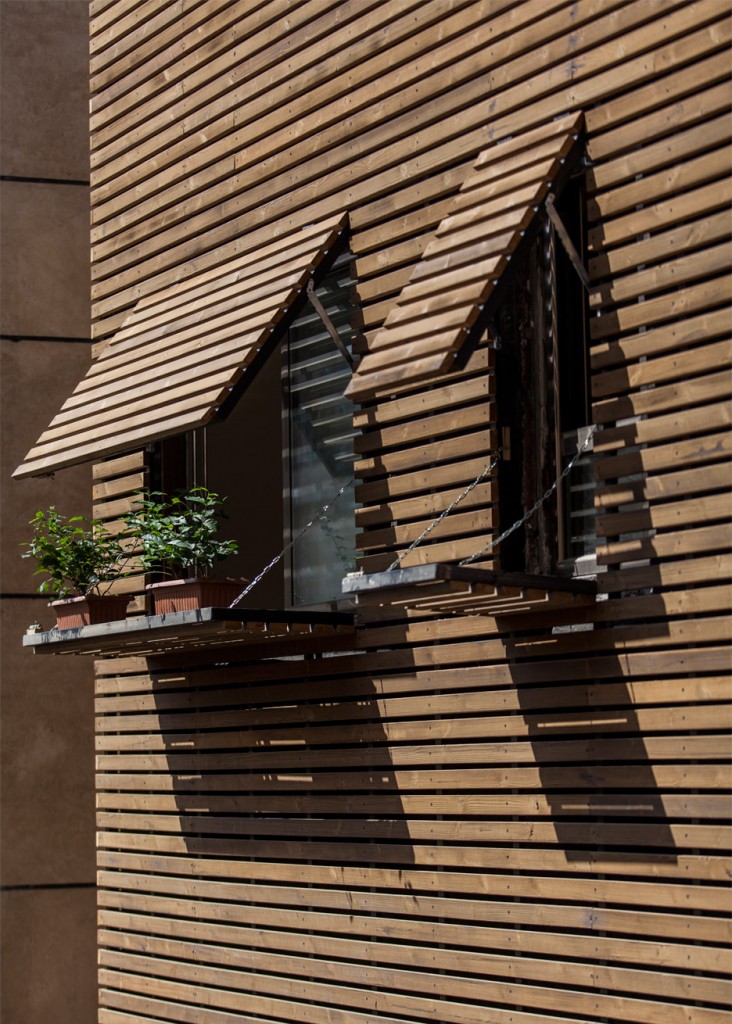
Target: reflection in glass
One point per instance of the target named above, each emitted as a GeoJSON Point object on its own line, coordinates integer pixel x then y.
{"type": "Point", "coordinates": [320, 452]}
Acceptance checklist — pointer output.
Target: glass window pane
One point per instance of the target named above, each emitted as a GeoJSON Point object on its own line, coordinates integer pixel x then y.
{"type": "Point", "coordinates": [320, 457]}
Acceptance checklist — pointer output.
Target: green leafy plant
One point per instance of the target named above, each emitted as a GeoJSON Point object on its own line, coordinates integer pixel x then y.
{"type": "Point", "coordinates": [177, 533]}
{"type": "Point", "coordinates": [78, 555]}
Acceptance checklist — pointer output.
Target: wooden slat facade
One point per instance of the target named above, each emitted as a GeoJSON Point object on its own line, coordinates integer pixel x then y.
{"type": "Point", "coordinates": [465, 819]}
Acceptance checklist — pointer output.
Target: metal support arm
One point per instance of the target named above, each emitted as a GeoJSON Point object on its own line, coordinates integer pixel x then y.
{"type": "Point", "coordinates": [567, 241]}
{"type": "Point", "coordinates": [329, 326]}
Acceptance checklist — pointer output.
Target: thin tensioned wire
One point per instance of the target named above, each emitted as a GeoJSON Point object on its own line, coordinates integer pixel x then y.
{"type": "Point", "coordinates": [425, 533]}
{"type": "Point", "coordinates": [446, 512]}
{"type": "Point", "coordinates": [537, 504]}
{"type": "Point", "coordinates": [318, 515]}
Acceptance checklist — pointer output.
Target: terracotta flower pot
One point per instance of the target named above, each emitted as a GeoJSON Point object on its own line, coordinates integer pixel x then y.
{"type": "Point", "coordinates": [191, 594]}
{"type": "Point", "coordinates": [73, 612]}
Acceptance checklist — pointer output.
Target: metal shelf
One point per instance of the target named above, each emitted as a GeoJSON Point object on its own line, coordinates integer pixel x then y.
{"type": "Point", "coordinates": [291, 632]}
{"type": "Point", "coordinates": [465, 590]}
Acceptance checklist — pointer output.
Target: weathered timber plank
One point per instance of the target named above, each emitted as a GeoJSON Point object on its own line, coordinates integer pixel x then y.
{"type": "Point", "coordinates": [696, 420]}
{"type": "Point", "coordinates": [694, 203]}
{"type": "Point", "coordinates": [620, 950]}
{"type": "Point", "coordinates": [115, 20]}
{"type": "Point", "coordinates": [663, 368]}
{"type": "Point", "coordinates": [252, 30]}
{"type": "Point", "coordinates": [425, 507]}
{"type": "Point", "coordinates": [119, 485]}
{"type": "Point", "coordinates": [673, 274]}
{"type": "Point", "coordinates": [172, 138]}
{"type": "Point", "coordinates": [179, 691]}
{"type": "Point", "coordinates": [672, 895]}
{"type": "Point", "coordinates": [638, 117]}
{"type": "Point", "coordinates": [215, 810]}
{"type": "Point", "coordinates": [669, 338]}
{"type": "Point", "coordinates": [457, 524]}
{"type": "Point", "coordinates": [645, 750]}
{"type": "Point", "coordinates": [642, 849]}
{"type": "Point", "coordinates": [609, 204]}
{"type": "Point", "coordinates": [679, 23]}
{"type": "Point", "coordinates": [124, 57]}
{"type": "Point", "coordinates": [433, 425]}
{"type": "Point", "coordinates": [666, 574]}
{"type": "Point", "coordinates": [426, 454]}
{"type": "Point", "coordinates": [119, 791]}
{"type": "Point", "coordinates": [410, 408]}
{"type": "Point", "coordinates": [114, 467]}
{"type": "Point", "coordinates": [679, 239]}
{"type": "Point", "coordinates": [323, 93]}
{"type": "Point", "coordinates": [694, 391]}
{"type": "Point", "coordinates": [336, 886]}
{"type": "Point", "coordinates": [354, 110]}
{"type": "Point", "coordinates": [705, 717]}
{"type": "Point", "coordinates": [709, 448]}
{"type": "Point", "coordinates": [668, 150]}
{"type": "Point", "coordinates": [663, 486]}
{"type": "Point", "coordinates": [672, 306]}
{"type": "Point", "coordinates": [169, 717]}
{"type": "Point", "coordinates": [401, 484]}
{"type": "Point", "coordinates": [420, 669]}
{"type": "Point", "coordinates": [659, 846]}
{"type": "Point", "coordinates": [673, 545]}
{"type": "Point", "coordinates": [691, 45]}
{"type": "Point", "coordinates": [118, 952]}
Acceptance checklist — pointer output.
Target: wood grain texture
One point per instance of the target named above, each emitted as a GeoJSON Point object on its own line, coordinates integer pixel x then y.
{"type": "Point", "coordinates": [464, 818]}
{"type": "Point", "coordinates": [169, 349]}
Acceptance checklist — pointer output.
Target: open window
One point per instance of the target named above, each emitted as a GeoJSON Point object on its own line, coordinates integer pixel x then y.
{"type": "Point", "coordinates": [318, 441]}
{"type": "Point", "coordinates": [507, 258]}
{"type": "Point", "coordinates": [284, 449]}
{"type": "Point", "coordinates": [234, 377]}
{"type": "Point", "coordinates": [543, 399]}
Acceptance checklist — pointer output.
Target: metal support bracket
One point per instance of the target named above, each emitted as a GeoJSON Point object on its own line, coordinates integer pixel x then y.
{"type": "Point", "coordinates": [566, 241]}
{"type": "Point", "coordinates": [320, 310]}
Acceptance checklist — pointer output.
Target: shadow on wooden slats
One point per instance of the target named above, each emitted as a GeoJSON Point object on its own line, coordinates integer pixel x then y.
{"type": "Point", "coordinates": [595, 770]}
{"type": "Point", "coordinates": [657, 598]}
{"type": "Point", "coordinates": [269, 761]}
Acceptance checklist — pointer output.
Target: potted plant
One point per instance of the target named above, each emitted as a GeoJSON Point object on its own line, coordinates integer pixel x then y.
{"type": "Point", "coordinates": [177, 537]}
{"type": "Point", "coordinates": [81, 560]}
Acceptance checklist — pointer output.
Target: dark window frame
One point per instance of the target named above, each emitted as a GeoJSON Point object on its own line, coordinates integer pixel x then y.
{"type": "Point", "coordinates": [541, 331]}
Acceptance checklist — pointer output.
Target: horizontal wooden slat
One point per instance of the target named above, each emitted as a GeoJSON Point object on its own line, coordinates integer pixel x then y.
{"type": "Point", "coordinates": [687, 394]}
{"type": "Point", "coordinates": [670, 337]}
{"type": "Point", "coordinates": [536, 970]}
{"type": "Point", "coordinates": [583, 91]}
{"type": "Point", "coordinates": [527, 700]}
{"type": "Point", "coordinates": [80, 433]}
{"type": "Point", "coordinates": [668, 954]}
{"type": "Point", "coordinates": [427, 74]}
{"type": "Point", "coordinates": [675, 273]}
{"type": "Point", "coordinates": [692, 361]}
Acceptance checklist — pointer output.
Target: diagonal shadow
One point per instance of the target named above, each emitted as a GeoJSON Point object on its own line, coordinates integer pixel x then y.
{"type": "Point", "coordinates": [280, 759]}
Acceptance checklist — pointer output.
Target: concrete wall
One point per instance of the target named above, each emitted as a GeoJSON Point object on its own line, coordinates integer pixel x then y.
{"type": "Point", "coordinates": [47, 928]}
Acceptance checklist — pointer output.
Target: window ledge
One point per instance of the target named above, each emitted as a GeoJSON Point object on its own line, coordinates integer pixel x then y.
{"type": "Point", "coordinates": [274, 632]}
{"type": "Point", "coordinates": [458, 589]}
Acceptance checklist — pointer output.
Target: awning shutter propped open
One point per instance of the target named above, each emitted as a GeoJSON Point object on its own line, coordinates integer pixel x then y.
{"type": "Point", "coordinates": [180, 353]}
{"type": "Point", "coordinates": [451, 289]}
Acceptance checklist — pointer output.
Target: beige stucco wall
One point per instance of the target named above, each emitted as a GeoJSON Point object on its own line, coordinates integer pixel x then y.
{"type": "Point", "coordinates": [47, 922]}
